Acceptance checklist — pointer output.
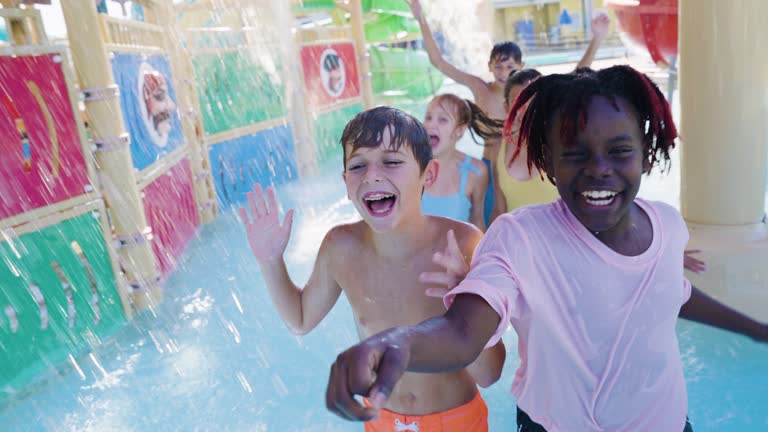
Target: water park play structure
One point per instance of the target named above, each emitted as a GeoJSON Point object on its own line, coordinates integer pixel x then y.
{"type": "Point", "coordinates": [118, 145]}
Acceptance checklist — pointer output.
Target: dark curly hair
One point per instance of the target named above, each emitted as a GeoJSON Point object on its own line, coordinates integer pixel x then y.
{"type": "Point", "coordinates": [569, 96]}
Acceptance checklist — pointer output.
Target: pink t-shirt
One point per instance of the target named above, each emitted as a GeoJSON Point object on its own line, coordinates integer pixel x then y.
{"type": "Point", "coordinates": [596, 329]}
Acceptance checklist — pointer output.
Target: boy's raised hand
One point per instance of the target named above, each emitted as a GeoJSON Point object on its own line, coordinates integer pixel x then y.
{"type": "Point", "coordinates": [452, 260]}
{"type": "Point", "coordinates": [267, 237]}
{"type": "Point", "coordinates": [415, 6]}
{"type": "Point", "coordinates": [600, 25]}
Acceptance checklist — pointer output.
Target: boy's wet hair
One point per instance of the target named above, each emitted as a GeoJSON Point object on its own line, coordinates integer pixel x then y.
{"type": "Point", "coordinates": [519, 77]}
{"type": "Point", "coordinates": [569, 96]}
{"type": "Point", "coordinates": [367, 130]}
{"type": "Point", "coordinates": [503, 51]}
{"type": "Point", "coordinates": [469, 114]}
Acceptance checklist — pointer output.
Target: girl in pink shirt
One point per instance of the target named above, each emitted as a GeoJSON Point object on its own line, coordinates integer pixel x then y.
{"type": "Point", "coordinates": [592, 283]}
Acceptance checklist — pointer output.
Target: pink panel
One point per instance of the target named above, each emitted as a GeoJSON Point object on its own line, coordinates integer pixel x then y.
{"type": "Point", "coordinates": [41, 160]}
{"type": "Point", "coordinates": [169, 203]}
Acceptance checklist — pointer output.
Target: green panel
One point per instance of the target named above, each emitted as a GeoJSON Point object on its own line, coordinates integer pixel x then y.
{"type": "Point", "coordinates": [28, 260]}
{"type": "Point", "coordinates": [236, 91]}
{"type": "Point", "coordinates": [312, 5]}
{"type": "Point", "coordinates": [387, 27]}
{"type": "Point", "coordinates": [403, 73]}
{"type": "Point", "coordinates": [327, 129]}
{"type": "Point", "coordinates": [375, 6]}
{"type": "Point", "coordinates": [416, 108]}
{"type": "Point", "coordinates": [387, 6]}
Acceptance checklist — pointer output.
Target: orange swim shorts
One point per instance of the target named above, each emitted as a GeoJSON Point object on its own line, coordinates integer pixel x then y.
{"type": "Point", "coordinates": [470, 417]}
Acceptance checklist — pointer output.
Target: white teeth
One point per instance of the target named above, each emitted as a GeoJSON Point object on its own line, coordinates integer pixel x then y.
{"type": "Point", "coordinates": [598, 194]}
{"type": "Point", "coordinates": [599, 202]}
{"type": "Point", "coordinates": [599, 197]}
{"type": "Point", "coordinates": [377, 196]}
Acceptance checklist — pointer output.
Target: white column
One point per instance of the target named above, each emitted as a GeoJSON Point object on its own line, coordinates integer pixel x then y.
{"type": "Point", "coordinates": [724, 151]}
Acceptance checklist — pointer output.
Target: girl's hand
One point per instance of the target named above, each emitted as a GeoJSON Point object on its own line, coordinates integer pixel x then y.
{"type": "Point", "coordinates": [600, 25]}
{"type": "Point", "coordinates": [266, 236]}
{"type": "Point", "coordinates": [415, 6]}
{"type": "Point", "coordinates": [455, 267]}
{"type": "Point", "coordinates": [370, 369]}
{"type": "Point", "coordinates": [692, 264]}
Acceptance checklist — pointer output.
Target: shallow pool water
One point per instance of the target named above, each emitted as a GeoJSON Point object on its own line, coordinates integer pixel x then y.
{"type": "Point", "coordinates": [215, 355]}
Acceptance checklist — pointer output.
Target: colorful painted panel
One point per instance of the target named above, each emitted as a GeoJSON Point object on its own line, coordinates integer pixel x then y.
{"type": "Point", "coordinates": [267, 157]}
{"type": "Point", "coordinates": [57, 296]}
{"type": "Point", "coordinates": [149, 107]}
{"type": "Point", "coordinates": [330, 73]}
{"type": "Point", "coordinates": [41, 158]}
{"type": "Point", "coordinates": [404, 72]}
{"type": "Point", "coordinates": [237, 91]}
{"type": "Point", "coordinates": [169, 203]}
{"type": "Point", "coordinates": [326, 132]}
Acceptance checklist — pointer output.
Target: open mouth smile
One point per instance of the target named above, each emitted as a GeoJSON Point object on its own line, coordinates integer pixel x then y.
{"type": "Point", "coordinates": [379, 204]}
{"type": "Point", "coordinates": [600, 198]}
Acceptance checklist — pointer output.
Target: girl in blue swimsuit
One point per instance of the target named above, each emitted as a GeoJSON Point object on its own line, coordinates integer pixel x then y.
{"type": "Point", "coordinates": [460, 188]}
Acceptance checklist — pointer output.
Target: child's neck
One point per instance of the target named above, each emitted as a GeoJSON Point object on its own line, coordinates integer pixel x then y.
{"type": "Point", "coordinates": [497, 87]}
{"type": "Point", "coordinates": [448, 157]}
{"type": "Point", "coordinates": [408, 235]}
{"type": "Point", "coordinates": [449, 168]}
{"type": "Point", "coordinates": [632, 236]}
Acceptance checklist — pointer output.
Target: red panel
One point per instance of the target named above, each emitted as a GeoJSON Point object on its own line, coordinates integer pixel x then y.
{"type": "Point", "coordinates": [169, 203]}
{"type": "Point", "coordinates": [41, 160]}
{"type": "Point", "coordinates": [330, 73]}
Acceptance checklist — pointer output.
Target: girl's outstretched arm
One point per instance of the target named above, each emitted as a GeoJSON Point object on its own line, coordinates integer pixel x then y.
{"type": "Point", "coordinates": [486, 370]}
{"type": "Point", "coordinates": [442, 344]}
{"type": "Point", "coordinates": [706, 310]}
{"type": "Point", "coordinates": [476, 84]}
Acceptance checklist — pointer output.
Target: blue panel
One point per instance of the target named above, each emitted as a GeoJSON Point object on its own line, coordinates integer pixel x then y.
{"type": "Point", "coordinates": [148, 101]}
{"type": "Point", "coordinates": [267, 157]}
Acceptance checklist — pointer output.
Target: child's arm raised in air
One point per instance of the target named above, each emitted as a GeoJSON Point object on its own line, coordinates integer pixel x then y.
{"type": "Point", "coordinates": [486, 370]}
{"type": "Point", "coordinates": [706, 310]}
{"type": "Point", "coordinates": [600, 26]}
{"type": "Point", "coordinates": [476, 84]}
{"type": "Point", "coordinates": [300, 309]}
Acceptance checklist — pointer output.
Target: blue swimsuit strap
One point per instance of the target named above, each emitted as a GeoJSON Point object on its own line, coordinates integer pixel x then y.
{"type": "Point", "coordinates": [464, 168]}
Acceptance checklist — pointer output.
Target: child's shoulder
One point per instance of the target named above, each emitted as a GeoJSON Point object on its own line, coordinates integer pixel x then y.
{"type": "Point", "coordinates": [533, 211]}
{"type": "Point", "coordinates": [345, 235]}
{"type": "Point", "coordinates": [666, 212]}
{"type": "Point", "coordinates": [669, 219]}
{"type": "Point", "coordinates": [460, 229]}
{"type": "Point", "coordinates": [479, 165]}
{"type": "Point", "coordinates": [467, 235]}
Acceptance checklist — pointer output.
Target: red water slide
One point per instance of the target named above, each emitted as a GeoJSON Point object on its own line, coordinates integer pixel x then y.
{"type": "Point", "coordinates": [649, 24]}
